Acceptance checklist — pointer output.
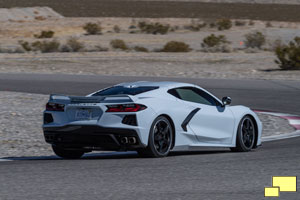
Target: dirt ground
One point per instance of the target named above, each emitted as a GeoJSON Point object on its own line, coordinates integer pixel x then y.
{"type": "Point", "coordinates": [239, 63]}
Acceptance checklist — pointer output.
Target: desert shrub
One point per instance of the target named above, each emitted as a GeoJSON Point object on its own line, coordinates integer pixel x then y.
{"type": "Point", "coordinates": [251, 23]}
{"type": "Point", "coordinates": [140, 49]}
{"type": "Point", "coordinates": [288, 56]}
{"type": "Point", "coordinates": [174, 46]}
{"type": "Point", "coordinates": [239, 23]}
{"type": "Point", "coordinates": [25, 45]}
{"type": "Point", "coordinates": [44, 34]}
{"type": "Point", "coordinates": [92, 28]}
{"type": "Point", "coordinates": [72, 45]}
{"type": "Point", "coordinates": [224, 24]}
{"type": "Point", "coordinates": [269, 24]}
{"type": "Point", "coordinates": [46, 46]}
{"type": "Point", "coordinates": [119, 44]}
{"type": "Point", "coordinates": [255, 40]}
{"type": "Point", "coordinates": [132, 27]}
{"type": "Point", "coordinates": [40, 18]}
{"type": "Point", "coordinates": [213, 43]}
{"type": "Point", "coordinates": [212, 25]}
{"type": "Point", "coordinates": [117, 29]}
{"type": "Point", "coordinates": [195, 26]}
{"type": "Point", "coordinates": [43, 46]}
{"type": "Point", "coordinates": [153, 28]}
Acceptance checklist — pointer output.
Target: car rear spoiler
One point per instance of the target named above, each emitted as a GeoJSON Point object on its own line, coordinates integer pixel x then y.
{"type": "Point", "coordinates": [92, 99]}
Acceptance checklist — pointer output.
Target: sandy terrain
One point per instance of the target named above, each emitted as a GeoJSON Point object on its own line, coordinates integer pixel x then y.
{"type": "Point", "coordinates": [240, 63]}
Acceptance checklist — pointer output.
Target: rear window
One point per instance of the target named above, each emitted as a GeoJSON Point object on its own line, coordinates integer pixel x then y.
{"type": "Point", "coordinates": [117, 90]}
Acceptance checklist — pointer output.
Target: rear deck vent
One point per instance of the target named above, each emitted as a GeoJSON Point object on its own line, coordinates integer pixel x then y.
{"type": "Point", "coordinates": [130, 120]}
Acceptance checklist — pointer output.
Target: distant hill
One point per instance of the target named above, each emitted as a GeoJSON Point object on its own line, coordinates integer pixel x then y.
{"type": "Point", "coordinates": [168, 8]}
{"type": "Point", "coordinates": [240, 1]}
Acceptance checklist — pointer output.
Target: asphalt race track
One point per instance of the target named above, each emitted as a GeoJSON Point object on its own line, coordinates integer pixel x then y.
{"type": "Point", "coordinates": [183, 175]}
{"type": "Point", "coordinates": [281, 96]}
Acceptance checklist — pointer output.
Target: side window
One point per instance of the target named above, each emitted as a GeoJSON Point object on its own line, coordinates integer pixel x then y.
{"type": "Point", "coordinates": [193, 95]}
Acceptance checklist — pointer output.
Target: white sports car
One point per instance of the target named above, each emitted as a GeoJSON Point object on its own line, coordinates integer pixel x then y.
{"type": "Point", "coordinates": [151, 118]}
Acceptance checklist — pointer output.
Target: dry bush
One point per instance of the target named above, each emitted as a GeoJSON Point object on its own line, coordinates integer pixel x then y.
{"type": "Point", "coordinates": [288, 56]}
{"type": "Point", "coordinates": [212, 25]}
{"type": "Point", "coordinates": [45, 34]}
{"type": "Point", "coordinates": [46, 46]}
{"type": "Point", "coordinates": [117, 29]}
{"type": "Point", "coordinates": [269, 25]}
{"type": "Point", "coordinates": [25, 45]}
{"type": "Point", "coordinates": [42, 46]}
{"type": "Point", "coordinates": [153, 28]}
{"type": "Point", "coordinates": [132, 27]}
{"type": "Point", "coordinates": [119, 44]}
{"type": "Point", "coordinates": [213, 43]}
{"type": "Point", "coordinates": [175, 46]}
{"type": "Point", "coordinates": [73, 45]}
{"type": "Point", "coordinates": [224, 24]}
{"type": "Point", "coordinates": [251, 23]}
{"type": "Point", "coordinates": [140, 49]}
{"type": "Point", "coordinates": [255, 40]}
{"type": "Point", "coordinates": [40, 18]}
{"type": "Point", "coordinates": [195, 26]}
{"type": "Point", "coordinates": [92, 28]}
{"type": "Point", "coordinates": [239, 23]}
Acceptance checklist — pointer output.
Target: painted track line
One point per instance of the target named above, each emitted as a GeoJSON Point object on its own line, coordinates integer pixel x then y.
{"type": "Point", "coordinates": [281, 136]}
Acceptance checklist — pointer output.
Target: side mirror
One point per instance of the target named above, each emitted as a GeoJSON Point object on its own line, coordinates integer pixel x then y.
{"type": "Point", "coordinates": [226, 101]}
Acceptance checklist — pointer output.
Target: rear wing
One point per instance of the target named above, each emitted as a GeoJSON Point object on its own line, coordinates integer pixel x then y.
{"type": "Point", "coordinates": [91, 99]}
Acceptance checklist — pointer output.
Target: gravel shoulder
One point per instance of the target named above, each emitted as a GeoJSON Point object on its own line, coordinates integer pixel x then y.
{"type": "Point", "coordinates": [21, 125]}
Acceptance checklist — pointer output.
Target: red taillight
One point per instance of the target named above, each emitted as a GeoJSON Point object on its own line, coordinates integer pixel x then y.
{"type": "Point", "coordinates": [125, 108]}
{"type": "Point", "coordinates": [55, 107]}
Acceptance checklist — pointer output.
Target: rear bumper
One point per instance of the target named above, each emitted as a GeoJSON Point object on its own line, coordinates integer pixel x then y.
{"type": "Point", "coordinates": [92, 137]}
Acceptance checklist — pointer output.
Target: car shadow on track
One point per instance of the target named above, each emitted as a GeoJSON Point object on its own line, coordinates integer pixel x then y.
{"type": "Point", "coordinates": [114, 155]}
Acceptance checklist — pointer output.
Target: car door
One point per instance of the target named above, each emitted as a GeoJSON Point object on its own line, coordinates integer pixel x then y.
{"type": "Point", "coordinates": [211, 122]}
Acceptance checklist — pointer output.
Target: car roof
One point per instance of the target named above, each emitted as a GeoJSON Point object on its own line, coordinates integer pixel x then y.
{"type": "Point", "coordinates": [161, 84]}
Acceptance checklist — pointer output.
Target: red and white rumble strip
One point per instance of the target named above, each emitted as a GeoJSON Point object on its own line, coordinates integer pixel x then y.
{"type": "Point", "coordinates": [293, 120]}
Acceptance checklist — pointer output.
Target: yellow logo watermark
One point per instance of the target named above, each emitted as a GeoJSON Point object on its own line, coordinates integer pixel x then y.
{"type": "Point", "coordinates": [281, 184]}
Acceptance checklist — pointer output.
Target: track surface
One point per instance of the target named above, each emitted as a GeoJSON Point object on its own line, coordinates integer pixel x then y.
{"type": "Point", "coordinates": [198, 175]}
{"type": "Point", "coordinates": [281, 96]}
{"type": "Point", "coordinates": [157, 9]}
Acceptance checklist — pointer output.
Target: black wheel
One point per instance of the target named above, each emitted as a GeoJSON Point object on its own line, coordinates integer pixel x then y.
{"type": "Point", "coordinates": [160, 139]}
{"type": "Point", "coordinates": [68, 154]}
{"type": "Point", "coordinates": [245, 136]}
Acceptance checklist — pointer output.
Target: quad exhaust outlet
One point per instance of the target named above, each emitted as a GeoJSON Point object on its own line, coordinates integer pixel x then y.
{"type": "Point", "coordinates": [128, 140]}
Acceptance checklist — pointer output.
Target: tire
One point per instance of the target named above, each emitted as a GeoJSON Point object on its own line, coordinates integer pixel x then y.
{"type": "Point", "coordinates": [67, 154]}
{"type": "Point", "coordinates": [160, 139]}
{"type": "Point", "coordinates": [245, 139]}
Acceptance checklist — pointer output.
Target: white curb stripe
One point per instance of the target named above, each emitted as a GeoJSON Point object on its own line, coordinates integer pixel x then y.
{"type": "Point", "coordinates": [281, 136]}
{"type": "Point", "coordinates": [294, 121]}
{"type": "Point", "coordinates": [4, 160]}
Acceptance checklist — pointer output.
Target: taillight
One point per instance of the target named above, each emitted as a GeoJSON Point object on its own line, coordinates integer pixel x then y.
{"type": "Point", "coordinates": [125, 108]}
{"type": "Point", "coordinates": [55, 107]}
